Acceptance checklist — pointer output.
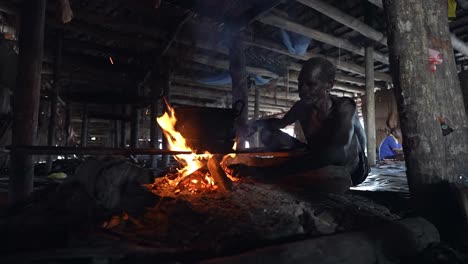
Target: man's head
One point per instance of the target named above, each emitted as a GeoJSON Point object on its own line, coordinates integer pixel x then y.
{"type": "Point", "coordinates": [316, 79]}
{"type": "Point", "coordinates": [395, 132]}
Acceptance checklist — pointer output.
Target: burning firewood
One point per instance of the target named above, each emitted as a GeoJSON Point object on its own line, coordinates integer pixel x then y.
{"type": "Point", "coordinates": [218, 174]}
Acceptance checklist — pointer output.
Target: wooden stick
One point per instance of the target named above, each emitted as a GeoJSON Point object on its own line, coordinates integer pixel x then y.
{"type": "Point", "coordinates": [218, 174]}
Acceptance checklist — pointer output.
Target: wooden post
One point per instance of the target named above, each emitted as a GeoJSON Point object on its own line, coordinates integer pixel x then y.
{"type": "Point", "coordinates": [425, 94]}
{"type": "Point", "coordinates": [257, 115]}
{"type": "Point", "coordinates": [54, 99]}
{"type": "Point", "coordinates": [166, 79]}
{"type": "Point", "coordinates": [240, 92]}
{"type": "Point", "coordinates": [370, 106]}
{"type": "Point", "coordinates": [84, 126]}
{"type": "Point", "coordinates": [68, 127]}
{"type": "Point", "coordinates": [154, 131]}
{"type": "Point", "coordinates": [134, 130]}
{"type": "Point", "coordinates": [116, 133]}
{"type": "Point", "coordinates": [26, 97]}
{"type": "Point", "coordinates": [123, 128]}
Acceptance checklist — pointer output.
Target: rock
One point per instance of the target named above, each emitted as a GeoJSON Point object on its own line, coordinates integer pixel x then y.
{"type": "Point", "coordinates": [114, 184]}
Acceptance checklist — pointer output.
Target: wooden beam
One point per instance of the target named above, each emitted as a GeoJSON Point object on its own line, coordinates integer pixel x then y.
{"type": "Point", "coordinates": [188, 16]}
{"type": "Point", "coordinates": [370, 107]}
{"type": "Point", "coordinates": [342, 65]}
{"type": "Point", "coordinates": [26, 98]}
{"type": "Point", "coordinates": [224, 64]}
{"type": "Point", "coordinates": [10, 8]}
{"type": "Point", "coordinates": [345, 19]}
{"type": "Point", "coordinates": [457, 44]}
{"type": "Point", "coordinates": [286, 24]}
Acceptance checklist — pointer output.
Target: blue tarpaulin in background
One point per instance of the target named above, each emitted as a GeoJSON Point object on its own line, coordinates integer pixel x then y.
{"type": "Point", "coordinates": [225, 79]}
{"type": "Point", "coordinates": [296, 43]}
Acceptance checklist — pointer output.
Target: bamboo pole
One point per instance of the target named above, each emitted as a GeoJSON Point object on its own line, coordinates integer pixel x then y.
{"type": "Point", "coordinates": [370, 107]}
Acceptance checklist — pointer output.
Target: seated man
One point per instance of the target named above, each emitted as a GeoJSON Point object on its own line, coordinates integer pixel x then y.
{"type": "Point", "coordinates": [330, 124]}
{"type": "Point", "coordinates": [390, 148]}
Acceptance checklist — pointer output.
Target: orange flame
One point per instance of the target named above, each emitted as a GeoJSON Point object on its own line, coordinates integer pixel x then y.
{"type": "Point", "coordinates": [190, 162]}
{"type": "Point", "coordinates": [176, 141]}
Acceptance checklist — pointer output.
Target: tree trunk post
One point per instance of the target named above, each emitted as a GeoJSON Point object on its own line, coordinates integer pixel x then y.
{"type": "Point", "coordinates": [154, 131]}
{"type": "Point", "coordinates": [54, 100]}
{"type": "Point", "coordinates": [84, 126]}
{"type": "Point", "coordinates": [240, 92]}
{"type": "Point", "coordinates": [68, 128]}
{"type": "Point", "coordinates": [134, 130]}
{"type": "Point", "coordinates": [257, 115]}
{"type": "Point", "coordinates": [167, 93]}
{"type": "Point", "coordinates": [429, 98]}
{"type": "Point", "coordinates": [370, 109]}
{"type": "Point", "coordinates": [26, 98]}
{"type": "Point", "coordinates": [123, 128]}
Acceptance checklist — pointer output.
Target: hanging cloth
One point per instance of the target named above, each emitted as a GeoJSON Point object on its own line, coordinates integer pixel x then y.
{"type": "Point", "coordinates": [452, 9]}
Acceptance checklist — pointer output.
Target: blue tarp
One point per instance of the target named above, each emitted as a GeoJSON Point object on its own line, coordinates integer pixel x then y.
{"type": "Point", "coordinates": [225, 79]}
{"type": "Point", "coordinates": [296, 43]}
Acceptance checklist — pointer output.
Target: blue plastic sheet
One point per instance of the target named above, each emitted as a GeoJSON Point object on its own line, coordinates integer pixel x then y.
{"type": "Point", "coordinates": [296, 43]}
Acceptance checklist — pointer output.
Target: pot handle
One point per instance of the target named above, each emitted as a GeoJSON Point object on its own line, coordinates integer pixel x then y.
{"type": "Point", "coordinates": [238, 107]}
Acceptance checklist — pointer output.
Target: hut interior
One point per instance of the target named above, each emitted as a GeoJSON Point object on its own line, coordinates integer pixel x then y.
{"type": "Point", "coordinates": [138, 131]}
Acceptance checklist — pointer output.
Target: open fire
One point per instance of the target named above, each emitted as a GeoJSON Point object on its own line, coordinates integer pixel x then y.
{"type": "Point", "coordinates": [195, 173]}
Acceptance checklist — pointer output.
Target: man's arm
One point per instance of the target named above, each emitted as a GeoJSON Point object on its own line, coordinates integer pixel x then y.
{"type": "Point", "coordinates": [341, 130]}
{"type": "Point", "coordinates": [290, 117]}
{"type": "Point", "coordinates": [396, 147]}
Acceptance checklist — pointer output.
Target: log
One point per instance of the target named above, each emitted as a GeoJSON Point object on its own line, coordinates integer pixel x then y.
{"type": "Point", "coordinates": [345, 19]}
{"type": "Point", "coordinates": [26, 97]}
{"type": "Point", "coordinates": [430, 156]}
{"type": "Point", "coordinates": [286, 24]}
{"type": "Point", "coordinates": [221, 180]}
{"type": "Point", "coordinates": [384, 243]}
{"type": "Point", "coordinates": [370, 107]}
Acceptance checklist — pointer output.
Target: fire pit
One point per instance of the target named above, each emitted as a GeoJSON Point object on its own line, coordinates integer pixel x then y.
{"type": "Point", "coordinates": [205, 167]}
